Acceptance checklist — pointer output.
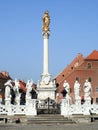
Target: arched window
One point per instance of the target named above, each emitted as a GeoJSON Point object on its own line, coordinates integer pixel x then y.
{"type": "Point", "coordinates": [89, 66]}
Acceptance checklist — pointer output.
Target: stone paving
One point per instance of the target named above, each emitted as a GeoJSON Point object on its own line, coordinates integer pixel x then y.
{"type": "Point", "coordinates": [80, 126]}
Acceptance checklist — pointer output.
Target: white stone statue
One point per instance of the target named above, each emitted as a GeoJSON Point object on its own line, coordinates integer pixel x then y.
{"type": "Point", "coordinates": [16, 90]}
{"type": "Point", "coordinates": [8, 87]}
{"type": "Point", "coordinates": [87, 90]}
{"type": "Point", "coordinates": [67, 88]}
{"type": "Point", "coordinates": [77, 89]}
{"type": "Point", "coordinates": [29, 89]}
{"type": "Point", "coordinates": [38, 84]}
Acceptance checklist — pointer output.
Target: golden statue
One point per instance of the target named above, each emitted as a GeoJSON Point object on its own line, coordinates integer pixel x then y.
{"type": "Point", "coordinates": [46, 22]}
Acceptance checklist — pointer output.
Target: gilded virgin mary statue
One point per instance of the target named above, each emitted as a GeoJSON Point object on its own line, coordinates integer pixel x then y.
{"type": "Point", "coordinates": [46, 21]}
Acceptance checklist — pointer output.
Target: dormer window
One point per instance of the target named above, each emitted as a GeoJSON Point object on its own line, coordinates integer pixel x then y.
{"type": "Point", "coordinates": [89, 66]}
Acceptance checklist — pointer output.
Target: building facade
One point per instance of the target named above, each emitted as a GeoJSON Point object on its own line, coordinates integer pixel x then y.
{"type": "Point", "coordinates": [80, 69]}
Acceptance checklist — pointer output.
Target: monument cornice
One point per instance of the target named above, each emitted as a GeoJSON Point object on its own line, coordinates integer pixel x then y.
{"type": "Point", "coordinates": [46, 34]}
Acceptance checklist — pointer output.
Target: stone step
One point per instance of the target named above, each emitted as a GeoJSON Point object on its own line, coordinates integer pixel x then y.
{"type": "Point", "coordinates": [44, 116]}
{"type": "Point", "coordinates": [51, 122]}
{"type": "Point", "coordinates": [49, 116]}
{"type": "Point", "coordinates": [49, 119]}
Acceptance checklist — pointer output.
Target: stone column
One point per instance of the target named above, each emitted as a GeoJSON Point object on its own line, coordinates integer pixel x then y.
{"type": "Point", "coordinates": [45, 53]}
{"type": "Point", "coordinates": [46, 87]}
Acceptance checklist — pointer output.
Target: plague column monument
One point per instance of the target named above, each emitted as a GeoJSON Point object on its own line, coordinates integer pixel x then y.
{"type": "Point", "coordinates": [46, 86]}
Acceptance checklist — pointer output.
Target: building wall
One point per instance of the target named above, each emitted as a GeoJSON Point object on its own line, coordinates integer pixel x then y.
{"type": "Point", "coordinates": [82, 72]}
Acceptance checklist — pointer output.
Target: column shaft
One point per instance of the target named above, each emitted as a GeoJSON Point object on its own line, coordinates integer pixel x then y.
{"type": "Point", "coordinates": [45, 60]}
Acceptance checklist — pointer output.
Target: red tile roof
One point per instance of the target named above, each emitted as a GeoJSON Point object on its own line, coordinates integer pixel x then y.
{"type": "Point", "coordinates": [22, 85]}
{"type": "Point", "coordinates": [4, 75]}
{"type": "Point", "coordinates": [92, 56]}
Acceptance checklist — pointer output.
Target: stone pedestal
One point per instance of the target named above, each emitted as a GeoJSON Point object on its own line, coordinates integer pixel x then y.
{"type": "Point", "coordinates": [28, 100]}
{"type": "Point", "coordinates": [78, 106]}
{"type": "Point", "coordinates": [45, 93]}
{"type": "Point", "coordinates": [31, 107]}
{"type": "Point", "coordinates": [8, 101]}
{"type": "Point", "coordinates": [87, 106]}
{"type": "Point", "coordinates": [0, 100]}
{"type": "Point", "coordinates": [65, 107]}
{"type": "Point", "coordinates": [78, 102]}
{"type": "Point", "coordinates": [87, 102]}
{"type": "Point", "coordinates": [18, 100]}
{"type": "Point", "coordinates": [46, 90]}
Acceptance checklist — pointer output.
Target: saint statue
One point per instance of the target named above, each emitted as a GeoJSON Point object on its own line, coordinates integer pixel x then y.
{"type": "Point", "coordinates": [87, 90]}
{"type": "Point", "coordinates": [77, 89]}
{"type": "Point", "coordinates": [67, 88]}
{"type": "Point", "coordinates": [16, 90]}
{"type": "Point", "coordinates": [8, 86]}
{"type": "Point", "coordinates": [29, 89]}
{"type": "Point", "coordinates": [46, 22]}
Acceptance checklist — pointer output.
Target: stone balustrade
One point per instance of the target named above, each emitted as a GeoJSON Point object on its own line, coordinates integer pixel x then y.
{"type": "Point", "coordinates": [87, 108]}
{"type": "Point", "coordinates": [28, 109]}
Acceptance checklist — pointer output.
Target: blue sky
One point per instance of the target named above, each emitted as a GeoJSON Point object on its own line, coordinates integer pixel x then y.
{"type": "Point", "coordinates": [74, 29]}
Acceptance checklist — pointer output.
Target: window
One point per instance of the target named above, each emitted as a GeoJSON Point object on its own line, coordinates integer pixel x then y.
{"type": "Point", "coordinates": [96, 100]}
{"type": "Point", "coordinates": [97, 89]}
{"type": "Point", "coordinates": [89, 66]}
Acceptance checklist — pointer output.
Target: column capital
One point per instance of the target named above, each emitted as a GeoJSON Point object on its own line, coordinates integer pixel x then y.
{"type": "Point", "coordinates": [46, 34]}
